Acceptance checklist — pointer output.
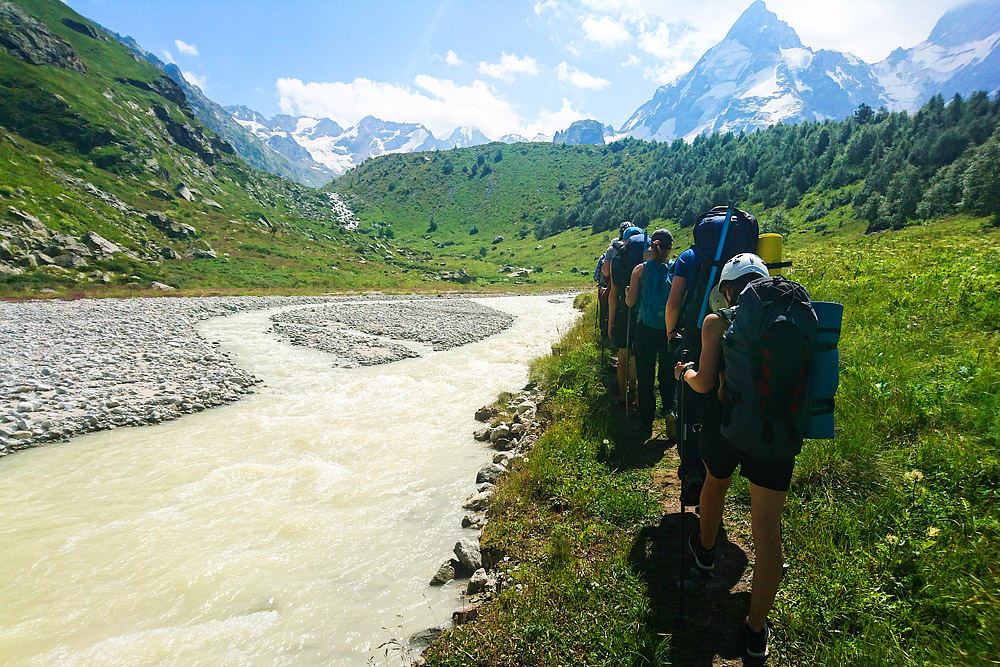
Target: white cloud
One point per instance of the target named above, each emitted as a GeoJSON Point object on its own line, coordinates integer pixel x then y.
{"type": "Point", "coordinates": [168, 57]}
{"type": "Point", "coordinates": [508, 66]}
{"type": "Point", "coordinates": [185, 48]}
{"type": "Point", "coordinates": [632, 61]}
{"type": "Point", "coordinates": [440, 105]}
{"type": "Point", "coordinates": [452, 59]}
{"type": "Point", "coordinates": [199, 80]}
{"type": "Point", "coordinates": [580, 79]}
{"type": "Point", "coordinates": [605, 31]}
{"type": "Point", "coordinates": [548, 4]}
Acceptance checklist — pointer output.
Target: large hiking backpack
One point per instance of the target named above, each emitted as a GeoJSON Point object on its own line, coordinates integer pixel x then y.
{"type": "Point", "coordinates": [768, 352]}
{"type": "Point", "coordinates": [741, 236]}
{"type": "Point", "coordinates": [632, 252]}
{"type": "Point", "coordinates": [655, 284]}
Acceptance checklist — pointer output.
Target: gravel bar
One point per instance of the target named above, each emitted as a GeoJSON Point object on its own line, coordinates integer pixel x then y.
{"type": "Point", "coordinates": [72, 367]}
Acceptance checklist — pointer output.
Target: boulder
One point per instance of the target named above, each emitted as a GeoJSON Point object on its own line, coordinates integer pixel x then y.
{"type": "Point", "coordinates": [195, 252]}
{"type": "Point", "coordinates": [184, 192]}
{"type": "Point", "coordinates": [8, 270]}
{"type": "Point", "coordinates": [171, 228]}
{"type": "Point", "coordinates": [468, 554]}
{"type": "Point", "coordinates": [444, 574]}
{"type": "Point", "coordinates": [478, 582]}
{"type": "Point", "coordinates": [71, 260]}
{"type": "Point", "coordinates": [497, 239]}
{"type": "Point", "coordinates": [99, 244]}
{"type": "Point", "coordinates": [6, 251]}
{"type": "Point", "coordinates": [500, 432]}
{"type": "Point", "coordinates": [526, 406]}
{"type": "Point", "coordinates": [83, 29]}
{"type": "Point", "coordinates": [160, 193]}
{"type": "Point", "coordinates": [62, 244]}
{"type": "Point", "coordinates": [167, 252]}
{"type": "Point", "coordinates": [478, 502]}
{"type": "Point", "coordinates": [212, 203]}
{"type": "Point", "coordinates": [483, 434]}
{"type": "Point", "coordinates": [490, 473]}
{"type": "Point", "coordinates": [161, 286]}
{"type": "Point", "coordinates": [484, 413]}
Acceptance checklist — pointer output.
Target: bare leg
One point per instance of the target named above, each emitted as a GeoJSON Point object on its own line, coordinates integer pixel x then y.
{"type": "Point", "coordinates": [765, 512]}
{"type": "Point", "coordinates": [623, 359]}
{"type": "Point", "coordinates": [713, 500]}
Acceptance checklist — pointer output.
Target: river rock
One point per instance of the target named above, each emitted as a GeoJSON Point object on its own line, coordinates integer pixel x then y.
{"type": "Point", "coordinates": [444, 574]}
{"type": "Point", "coordinates": [478, 502]}
{"type": "Point", "coordinates": [483, 434]}
{"type": "Point", "coordinates": [485, 413]}
{"type": "Point", "coordinates": [468, 554]}
{"type": "Point", "coordinates": [478, 582]}
{"type": "Point", "coordinates": [500, 432]}
{"type": "Point", "coordinates": [490, 473]}
{"type": "Point", "coordinates": [526, 406]}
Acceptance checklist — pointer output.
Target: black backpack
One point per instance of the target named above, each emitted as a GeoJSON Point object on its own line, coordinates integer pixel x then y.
{"type": "Point", "coordinates": [741, 236]}
{"type": "Point", "coordinates": [768, 351]}
{"type": "Point", "coordinates": [631, 253]}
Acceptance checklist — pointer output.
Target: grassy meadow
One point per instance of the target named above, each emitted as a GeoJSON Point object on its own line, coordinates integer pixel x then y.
{"type": "Point", "coordinates": [891, 531]}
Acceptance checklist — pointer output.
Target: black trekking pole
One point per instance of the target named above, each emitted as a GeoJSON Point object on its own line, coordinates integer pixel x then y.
{"type": "Point", "coordinates": [682, 429]}
{"type": "Point", "coordinates": [628, 354]}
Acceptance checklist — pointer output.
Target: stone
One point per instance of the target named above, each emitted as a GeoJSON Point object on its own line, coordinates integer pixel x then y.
{"type": "Point", "coordinates": [497, 239]}
{"type": "Point", "coordinates": [444, 574]}
{"type": "Point", "coordinates": [483, 434]}
{"type": "Point", "coordinates": [212, 203]}
{"type": "Point", "coordinates": [468, 554]}
{"type": "Point", "coordinates": [479, 501]}
{"type": "Point", "coordinates": [6, 251]}
{"type": "Point", "coordinates": [484, 413]}
{"type": "Point", "coordinates": [171, 228]}
{"type": "Point", "coordinates": [526, 406]}
{"type": "Point", "coordinates": [160, 193]}
{"type": "Point", "coordinates": [466, 615]}
{"type": "Point", "coordinates": [501, 432]}
{"type": "Point", "coordinates": [184, 192]}
{"type": "Point", "coordinates": [478, 582]}
{"type": "Point", "coordinates": [71, 261]}
{"type": "Point", "coordinates": [490, 473]}
{"type": "Point", "coordinates": [167, 252]}
{"type": "Point", "coordinates": [99, 244]}
{"type": "Point", "coordinates": [161, 286]}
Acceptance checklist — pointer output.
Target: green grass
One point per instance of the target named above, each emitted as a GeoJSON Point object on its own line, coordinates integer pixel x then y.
{"type": "Point", "coordinates": [892, 529]}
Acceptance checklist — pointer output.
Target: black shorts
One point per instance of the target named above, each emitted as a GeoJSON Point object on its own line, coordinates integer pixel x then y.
{"type": "Point", "coordinates": [624, 317]}
{"type": "Point", "coordinates": [721, 458]}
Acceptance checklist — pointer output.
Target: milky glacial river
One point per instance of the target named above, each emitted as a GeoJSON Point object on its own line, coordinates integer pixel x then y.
{"type": "Point", "coordinates": [299, 526]}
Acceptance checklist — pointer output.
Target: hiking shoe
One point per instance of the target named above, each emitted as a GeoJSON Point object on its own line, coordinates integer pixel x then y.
{"type": "Point", "coordinates": [756, 642]}
{"type": "Point", "coordinates": [671, 423]}
{"type": "Point", "coordinates": [703, 558]}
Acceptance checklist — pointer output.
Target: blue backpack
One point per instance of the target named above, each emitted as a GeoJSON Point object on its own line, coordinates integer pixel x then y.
{"type": "Point", "coordinates": [768, 351]}
{"type": "Point", "coordinates": [656, 280]}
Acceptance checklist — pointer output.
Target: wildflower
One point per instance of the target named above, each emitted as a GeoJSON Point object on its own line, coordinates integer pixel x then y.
{"type": "Point", "coordinates": [914, 476]}
{"type": "Point", "coordinates": [892, 540]}
{"type": "Point", "coordinates": [933, 531]}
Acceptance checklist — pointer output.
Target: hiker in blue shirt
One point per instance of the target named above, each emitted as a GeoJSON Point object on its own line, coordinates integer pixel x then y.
{"type": "Point", "coordinates": [649, 287]}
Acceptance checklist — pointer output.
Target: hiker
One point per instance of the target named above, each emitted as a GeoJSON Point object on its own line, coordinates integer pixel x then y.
{"type": "Point", "coordinates": [649, 288]}
{"type": "Point", "coordinates": [769, 475]}
{"type": "Point", "coordinates": [719, 234]}
{"type": "Point", "coordinates": [602, 297]}
{"type": "Point", "coordinates": [621, 318]}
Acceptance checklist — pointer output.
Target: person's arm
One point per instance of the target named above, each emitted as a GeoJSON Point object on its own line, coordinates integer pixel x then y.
{"type": "Point", "coordinates": [678, 289]}
{"type": "Point", "coordinates": [706, 377]}
{"type": "Point", "coordinates": [632, 294]}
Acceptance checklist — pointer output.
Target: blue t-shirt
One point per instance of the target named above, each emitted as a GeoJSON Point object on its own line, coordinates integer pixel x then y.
{"type": "Point", "coordinates": [687, 265]}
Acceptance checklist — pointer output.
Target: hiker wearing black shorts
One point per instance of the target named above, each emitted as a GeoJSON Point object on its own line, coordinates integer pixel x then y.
{"type": "Point", "coordinates": [648, 289]}
{"type": "Point", "coordinates": [769, 478]}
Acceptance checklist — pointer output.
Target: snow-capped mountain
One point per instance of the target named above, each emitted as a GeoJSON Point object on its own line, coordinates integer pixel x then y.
{"type": "Point", "coordinates": [339, 149]}
{"type": "Point", "coordinates": [758, 75]}
{"type": "Point", "coordinates": [961, 55]}
{"type": "Point", "coordinates": [761, 74]}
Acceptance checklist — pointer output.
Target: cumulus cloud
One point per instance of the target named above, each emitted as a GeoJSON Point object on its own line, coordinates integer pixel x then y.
{"type": "Point", "coordinates": [167, 56]}
{"type": "Point", "coordinates": [547, 5]}
{"type": "Point", "coordinates": [452, 58]}
{"type": "Point", "coordinates": [509, 66]}
{"type": "Point", "coordinates": [441, 105]}
{"type": "Point", "coordinates": [185, 48]}
{"type": "Point", "coordinates": [605, 31]}
{"type": "Point", "coordinates": [580, 79]}
{"type": "Point", "coordinates": [199, 80]}
{"type": "Point", "coordinates": [632, 61]}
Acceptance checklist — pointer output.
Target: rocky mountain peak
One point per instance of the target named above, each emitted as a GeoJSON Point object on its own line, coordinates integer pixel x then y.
{"type": "Point", "coordinates": [972, 21]}
{"type": "Point", "coordinates": [760, 30]}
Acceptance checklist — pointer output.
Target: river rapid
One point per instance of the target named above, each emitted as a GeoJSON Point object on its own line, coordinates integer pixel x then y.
{"type": "Point", "coordinates": [299, 526]}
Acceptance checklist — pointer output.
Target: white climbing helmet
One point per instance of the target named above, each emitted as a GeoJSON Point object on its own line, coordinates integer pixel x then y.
{"type": "Point", "coordinates": [741, 265]}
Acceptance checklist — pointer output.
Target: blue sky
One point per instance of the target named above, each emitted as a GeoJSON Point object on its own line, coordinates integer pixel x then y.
{"type": "Point", "coordinates": [523, 67]}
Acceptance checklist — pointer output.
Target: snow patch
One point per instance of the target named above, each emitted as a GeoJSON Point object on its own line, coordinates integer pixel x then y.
{"type": "Point", "coordinates": [797, 58]}
{"type": "Point", "coordinates": [765, 85]}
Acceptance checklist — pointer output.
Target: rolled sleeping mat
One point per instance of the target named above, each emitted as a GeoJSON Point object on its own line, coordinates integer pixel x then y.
{"type": "Point", "coordinates": [769, 249]}
{"type": "Point", "coordinates": [825, 372]}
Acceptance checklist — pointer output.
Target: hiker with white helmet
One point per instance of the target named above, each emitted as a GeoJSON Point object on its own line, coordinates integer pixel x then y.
{"type": "Point", "coordinates": [767, 458]}
{"type": "Point", "coordinates": [649, 288]}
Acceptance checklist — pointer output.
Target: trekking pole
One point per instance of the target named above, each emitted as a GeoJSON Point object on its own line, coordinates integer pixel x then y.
{"type": "Point", "coordinates": [680, 452]}
{"type": "Point", "coordinates": [628, 350]}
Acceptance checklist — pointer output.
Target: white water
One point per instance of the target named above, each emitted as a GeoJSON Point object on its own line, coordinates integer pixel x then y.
{"type": "Point", "coordinates": [299, 526]}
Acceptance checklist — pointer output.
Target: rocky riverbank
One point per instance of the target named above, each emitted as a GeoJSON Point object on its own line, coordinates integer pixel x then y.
{"type": "Point", "coordinates": [71, 367]}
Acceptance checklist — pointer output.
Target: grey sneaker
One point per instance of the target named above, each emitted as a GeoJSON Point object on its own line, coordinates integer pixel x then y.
{"type": "Point", "coordinates": [703, 558]}
{"type": "Point", "coordinates": [756, 642]}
